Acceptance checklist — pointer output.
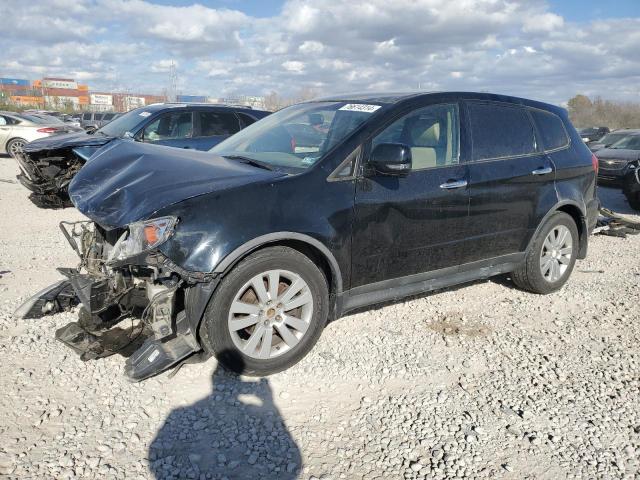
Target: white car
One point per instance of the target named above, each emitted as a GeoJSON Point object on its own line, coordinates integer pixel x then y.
{"type": "Point", "coordinates": [18, 129]}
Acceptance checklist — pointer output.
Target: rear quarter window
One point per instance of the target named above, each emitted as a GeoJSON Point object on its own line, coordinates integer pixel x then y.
{"type": "Point", "coordinates": [500, 131]}
{"type": "Point", "coordinates": [551, 130]}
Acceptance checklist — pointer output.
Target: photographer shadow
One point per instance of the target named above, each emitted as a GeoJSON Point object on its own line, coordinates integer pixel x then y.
{"type": "Point", "coordinates": [236, 432]}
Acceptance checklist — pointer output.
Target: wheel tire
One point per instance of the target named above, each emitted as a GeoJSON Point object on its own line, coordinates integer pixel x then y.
{"type": "Point", "coordinates": [215, 332]}
{"type": "Point", "coordinates": [529, 275]}
{"type": "Point", "coordinates": [634, 199]}
{"type": "Point", "coordinates": [11, 145]}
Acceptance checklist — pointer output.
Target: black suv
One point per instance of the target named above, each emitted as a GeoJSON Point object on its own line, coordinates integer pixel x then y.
{"type": "Point", "coordinates": [48, 165]}
{"type": "Point", "coordinates": [245, 252]}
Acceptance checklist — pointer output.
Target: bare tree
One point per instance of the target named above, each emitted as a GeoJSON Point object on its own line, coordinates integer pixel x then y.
{"type": "Point", "coordinates": [585, 112]}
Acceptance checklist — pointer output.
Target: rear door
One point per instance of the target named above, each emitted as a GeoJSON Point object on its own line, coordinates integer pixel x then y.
{"type": "Point", "coordinates": [511, 180]}
{"type": "Point", "coordinates": [172, 129]}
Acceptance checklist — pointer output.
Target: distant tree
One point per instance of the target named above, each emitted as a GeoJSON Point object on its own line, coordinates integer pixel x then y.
{"type": "Point", "coordinates": [585, 112]}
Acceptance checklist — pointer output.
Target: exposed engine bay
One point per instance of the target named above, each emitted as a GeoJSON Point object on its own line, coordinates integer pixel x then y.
{"type": "Point", "coordinates": [132, 305]}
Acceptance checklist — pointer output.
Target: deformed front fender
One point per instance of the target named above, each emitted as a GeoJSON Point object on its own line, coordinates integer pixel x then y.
{"type": "Point", "coordinates": [199, 295]}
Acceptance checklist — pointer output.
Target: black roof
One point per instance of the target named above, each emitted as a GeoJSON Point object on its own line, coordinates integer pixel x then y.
{"type": "Point", "coordinates": [397, 97]}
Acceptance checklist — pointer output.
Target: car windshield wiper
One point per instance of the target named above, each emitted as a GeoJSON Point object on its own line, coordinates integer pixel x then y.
{"type": "Point", "coordinates": [249, 161]}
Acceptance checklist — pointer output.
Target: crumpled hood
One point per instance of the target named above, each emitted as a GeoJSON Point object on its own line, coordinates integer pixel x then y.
{"type": "Point", "coordinates": [66, 140]}
{"type": "Point", "coordinates": [128, 181]}
{"type": "Point", "coordinates": [618, 153]}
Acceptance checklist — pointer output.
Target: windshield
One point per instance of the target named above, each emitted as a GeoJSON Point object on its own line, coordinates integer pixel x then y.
{"type": "Point", "coordinates": [611, 138]}
{"type": "Point", "coordinates": [632, 142]}
{"type": "Point", "coordinates": [126, 123]}
{"type": "Point", "coordinates": [296, 137]}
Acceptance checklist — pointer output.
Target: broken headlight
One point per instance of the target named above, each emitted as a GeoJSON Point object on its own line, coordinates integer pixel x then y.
{"type": "Point", "coordinates": [143, 236]}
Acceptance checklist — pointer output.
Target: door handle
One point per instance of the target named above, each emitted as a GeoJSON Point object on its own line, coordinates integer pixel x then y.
{"type": "Point", "coordinates": [542, 171]}
{"type": "Point", "coordinates": [454, 184]}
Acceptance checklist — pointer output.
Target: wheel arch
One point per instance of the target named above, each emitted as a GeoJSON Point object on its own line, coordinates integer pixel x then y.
{"type": "Point", "coordinates": [200, 295]}
{"type": "Point", "coordinates": [578, 214]}
{"type": "Point", "coordinates": [305, 244]}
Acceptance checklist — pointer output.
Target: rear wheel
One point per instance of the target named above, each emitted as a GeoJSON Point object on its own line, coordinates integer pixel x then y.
{"type": "Point", "coordinates": [552, 256]}
{"type": "Point", "coordinates": [15, 145]}
{"type": "Point", "coordinates": [267, 313]}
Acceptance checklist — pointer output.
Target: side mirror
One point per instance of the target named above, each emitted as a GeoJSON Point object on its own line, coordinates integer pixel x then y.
{"type": "Point", "coordinates": [391, 159]}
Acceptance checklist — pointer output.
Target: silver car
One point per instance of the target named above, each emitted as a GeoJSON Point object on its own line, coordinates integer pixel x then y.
{"type": "Point", "coordinates": [18, 129]}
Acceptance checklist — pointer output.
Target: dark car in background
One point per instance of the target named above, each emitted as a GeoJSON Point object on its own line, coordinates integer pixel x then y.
{"type": "Point", "coordinates": [631, 185]}
{"type": "Point", "coordinates": [47, 166]}
{"type": "Point", "coordinates": [593, 134]}
{"type": "Point", "coordinates": [616, 160]}
{"type": "Point", "coordinates": [248, 250]}
{"type": "Point", "coordinates": [611, 138]}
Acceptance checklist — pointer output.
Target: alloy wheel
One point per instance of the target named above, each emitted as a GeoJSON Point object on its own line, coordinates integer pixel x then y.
{"type": "Point", "coordinates": [16, 147]}
{"type": "Point", "coordinates": [556, 253]}
{"type": "Point", "coordinates": [270, 314]}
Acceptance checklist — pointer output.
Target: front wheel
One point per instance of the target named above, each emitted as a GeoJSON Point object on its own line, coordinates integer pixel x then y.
{"type": "Point", "coordinates": [267, 313]}
{"type": "Point", "coordinates": [551, 257]}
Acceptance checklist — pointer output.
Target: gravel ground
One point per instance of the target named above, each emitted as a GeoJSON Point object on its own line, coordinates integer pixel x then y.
{"type": "Point", "coordinates": [480, 381]}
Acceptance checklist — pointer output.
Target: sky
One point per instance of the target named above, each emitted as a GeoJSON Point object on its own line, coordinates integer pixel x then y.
{"type": "Point", "coordinates": [545, 50]}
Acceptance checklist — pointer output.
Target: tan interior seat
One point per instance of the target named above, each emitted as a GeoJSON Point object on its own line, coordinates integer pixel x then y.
{"type": "Point", "coordinates": [424, 157]}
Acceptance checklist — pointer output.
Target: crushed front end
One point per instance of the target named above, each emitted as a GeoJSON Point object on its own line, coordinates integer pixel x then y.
{"type": "Point", "coordinates": [47, 174]}
{"type": "Point", "coordinates": [132, 298]}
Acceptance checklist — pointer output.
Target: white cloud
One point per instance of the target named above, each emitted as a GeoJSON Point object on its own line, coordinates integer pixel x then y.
{"type": "Point", "coordinates": [509, 46]}
{"type": "Point", "coordinates": [293, 66]}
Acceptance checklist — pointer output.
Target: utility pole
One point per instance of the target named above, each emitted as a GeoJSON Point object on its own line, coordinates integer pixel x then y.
{"type": "Point", "coordinates": [173, 83]}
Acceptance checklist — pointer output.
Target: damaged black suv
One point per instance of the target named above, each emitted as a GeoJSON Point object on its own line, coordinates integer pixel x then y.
{"type": "Point", "coordinates": [247, 251]}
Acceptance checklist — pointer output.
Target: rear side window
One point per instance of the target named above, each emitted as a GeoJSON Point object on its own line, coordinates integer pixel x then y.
{"type": "Point", "coordinates": [245, 119]}
{"type": "Point", "coordinates": [218, 123]}
{"type": "Point", "coordinates": [551, 129]}
{"type": "Point", "coordinates": [500, 131]}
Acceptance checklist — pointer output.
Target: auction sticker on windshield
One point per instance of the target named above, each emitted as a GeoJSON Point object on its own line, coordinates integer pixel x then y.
{"type": "Point", "coordinates": [360, 107]}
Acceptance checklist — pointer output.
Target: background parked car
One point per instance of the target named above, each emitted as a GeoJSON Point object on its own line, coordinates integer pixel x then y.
{"type": "Point", "coordinates": [49, 165]}
{"type": "Point", "coordinates": [615, 161]}
{"type": "Point", "coordinates": [16, 130]}
{"type": "Point", "coordinates": [92, 121]}
{"type": "Point", "coordinates": [592, 134]}
{"type": "Point", "coordinates": [611, 138]}
{"type": "Point", "coordinates": [631, 185]}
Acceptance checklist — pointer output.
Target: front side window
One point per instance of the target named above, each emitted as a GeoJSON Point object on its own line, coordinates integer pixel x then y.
{"type": "Point", "coordinates": [500, 131]}
{"type": "Point", "coordinates": [551, 129]}
{"type": "Point", "coordinates": [432, 134]}
{"type": "Point", "coordinates": [3, 120]}
{"type": "Point", "coordinates": [218, 123]}
{"type": "Point", "coordinates": [297, 137]}
{"type": "Point", "coordinates": [86, 116]}
{"type": "Point", "coordinates": [170, 126]}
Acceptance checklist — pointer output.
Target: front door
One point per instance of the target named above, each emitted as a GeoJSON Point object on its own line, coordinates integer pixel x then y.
{"type": "Point", "coordinates": [413, 224]}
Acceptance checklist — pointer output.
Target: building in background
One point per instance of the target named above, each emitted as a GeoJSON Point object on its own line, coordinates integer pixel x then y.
{"type": "Point", "coordinates": [54, 93]}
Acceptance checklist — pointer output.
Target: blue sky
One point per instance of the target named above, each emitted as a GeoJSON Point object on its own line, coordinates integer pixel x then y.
{"type": "Point", "coordinates": [547, 50]}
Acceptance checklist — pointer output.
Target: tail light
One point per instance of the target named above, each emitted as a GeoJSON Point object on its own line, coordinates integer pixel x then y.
{"type": "Point", "coordinates": [594, 161]}
{"type": "Point", "coordinates": [47, 130]}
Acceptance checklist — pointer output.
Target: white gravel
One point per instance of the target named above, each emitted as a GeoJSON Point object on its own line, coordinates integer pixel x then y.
{"type": "Point", "coordinates": [479, 381]}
